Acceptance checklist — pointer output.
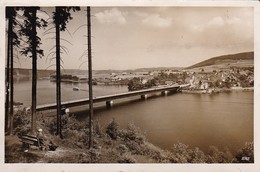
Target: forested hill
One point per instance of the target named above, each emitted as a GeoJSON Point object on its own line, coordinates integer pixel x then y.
{"type": "Point", "coordinates": [232, 58]}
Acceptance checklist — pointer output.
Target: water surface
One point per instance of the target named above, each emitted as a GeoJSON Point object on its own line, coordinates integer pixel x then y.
{"type": "Point", "coordinates": [198, 120]}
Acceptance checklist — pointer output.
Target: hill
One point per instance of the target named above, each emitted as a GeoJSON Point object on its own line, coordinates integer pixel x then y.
{"type": "Point", "coordinates": [21, 72]}
{"type": "Point", "coordinates": [232, 58]}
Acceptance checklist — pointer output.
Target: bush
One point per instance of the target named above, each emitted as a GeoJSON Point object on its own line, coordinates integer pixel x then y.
{"type": "Point", "coordinates": [132, 133]}
{"type": "Point", "coordinates": [197, 156]}
{"type": "Point", "coordinates": [122, 148]}
{"type": "Point", "coordinates": [21, 122]}
{"type": "Point", "coordinates": [133, 139]}
{"type": "Point", "coordinates": [180, 153]}
{"type": "Point", "coordinates": [127, 159]}
{"type": "Point", "coordinates": [217, 156]}
{"type": "Point", "coordinates": [67, 123]}
{"type": "Point", "coordinates": [112, 129]}
{"type": "Point", "coordinates": [98, 129]}
{"type": "Point", "coordinates": [246, 154]}
{"type": "Point", "coordinates": [94, 154]}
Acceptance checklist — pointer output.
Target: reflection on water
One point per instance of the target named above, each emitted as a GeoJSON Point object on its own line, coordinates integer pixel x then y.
{"type": "Point", "coordinates": [199, 120]}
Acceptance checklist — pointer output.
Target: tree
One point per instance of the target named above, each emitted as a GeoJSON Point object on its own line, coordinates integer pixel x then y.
{"type": "Point", "coordinates": [12, 42]}
{"type": "Point", "coordinates": [61, 16]}
{"type": "Point", "coordinates": [135, 84]}
{"type": "Point", "coordinates": [31, 22]}
{"type": "Point", "coordinates": [90, 80]}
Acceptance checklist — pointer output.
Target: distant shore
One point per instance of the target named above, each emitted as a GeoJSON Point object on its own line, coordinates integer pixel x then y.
{"type": "Point", "coordinates": [217, 90]}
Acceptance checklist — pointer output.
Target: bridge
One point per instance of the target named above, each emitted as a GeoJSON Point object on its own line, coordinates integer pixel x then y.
{"type": "Point", "coordinates": [109, 98]}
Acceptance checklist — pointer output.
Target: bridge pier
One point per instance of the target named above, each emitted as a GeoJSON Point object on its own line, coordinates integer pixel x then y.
{"type": "Point", "coordinates": [109, 103]}
{"type": "Point", "coordinates": [144, 97]}
{"type": "Point", "coordinates": [165, 93]}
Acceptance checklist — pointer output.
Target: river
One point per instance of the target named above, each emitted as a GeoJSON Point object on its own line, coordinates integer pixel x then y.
{"type": "Point", "coordinates": [198, 120]}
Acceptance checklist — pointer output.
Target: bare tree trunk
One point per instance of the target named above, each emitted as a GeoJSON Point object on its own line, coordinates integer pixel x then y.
{"type": "Point", "coordinates": [58, 74]}
{"type": "Point", "coordinates": [7, 77]}
{"type": "Point", "coordinates": [34, 73]}
{"type": "Point", "coordinates": [90, 80]}
{"type": "Point", "coordinates": [11, 80]}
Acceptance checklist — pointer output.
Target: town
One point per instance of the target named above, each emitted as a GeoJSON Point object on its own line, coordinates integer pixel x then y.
{"type": "Point", "coordinates": [199, 80]}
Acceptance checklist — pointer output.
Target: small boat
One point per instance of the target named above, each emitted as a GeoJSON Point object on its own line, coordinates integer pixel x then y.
{"type": "Point", "coordinates": [76, 89]}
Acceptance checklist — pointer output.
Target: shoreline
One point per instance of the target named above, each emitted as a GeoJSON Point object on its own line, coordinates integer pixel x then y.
{"type": "Point", "coordinates": [217, 90]}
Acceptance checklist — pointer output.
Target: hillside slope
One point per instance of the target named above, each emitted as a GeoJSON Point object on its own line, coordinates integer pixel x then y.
{"type": "Point", "coordinates": [224, 59]}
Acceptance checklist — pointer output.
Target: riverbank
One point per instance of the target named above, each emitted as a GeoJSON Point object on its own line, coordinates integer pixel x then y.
{"type": "Point", "coordinates": [215, 90]}
{"type": "Point", "coordinates": [112, 144]}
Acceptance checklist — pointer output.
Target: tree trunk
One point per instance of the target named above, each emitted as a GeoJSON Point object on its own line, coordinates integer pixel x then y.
{"type": "Point", "coordinates": [58, 74]}
{"type": "Point", "coordinates": [8, 76]}
{"type": "Point", "coordinates": [90, 80]}
{"type": "Point", "coordinates": [11, 79]}
{"type": "Point", "coordinates": [34, 72]}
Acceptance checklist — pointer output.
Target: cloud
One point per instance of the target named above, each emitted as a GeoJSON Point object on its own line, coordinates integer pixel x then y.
{"type": "Point", "coordinates": [217, 22]}
{"type": "Point", "coordinates": [113, 16]}
{"type": "Point", "coordinates": [156, 20]}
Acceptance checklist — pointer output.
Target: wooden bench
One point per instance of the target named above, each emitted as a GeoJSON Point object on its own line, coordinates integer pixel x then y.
{"type": "Point", "coordinates": [29, 141]}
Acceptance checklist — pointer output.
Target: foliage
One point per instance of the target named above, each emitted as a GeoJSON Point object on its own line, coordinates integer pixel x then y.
{"type": "Point", "coordinates": [217, 156]}
{"type": "Point", "coordinates": [73, 130]}
{"type": "Point", "coordinates": [246, 154]}
{"type": "Point", "coordinates": [244, 81]}
{"type": "Point", "coordinates": [113, 129]}
{"type": "Point", "coordinates": [98, 129]}
{"type": "Point", "coordinates": [197, 156]}
{"type": "Point", "coordinates": [132, 133]}
{"type": "Point", "coordinates": [11, 13]}
{"type": "Point", "coordinates": [135, 84]}
{"type": "Point", "coordinates": [63, 15]}
{"type": "Point", "coordinates": [27, 31]}
{"type": "Point", "coordinates": [180, 153]}
{"type": "Point", "coordinates": [21, 122]}
{"type": "Point", "coordinates": [94, 155]}
{"type": "Point", "coordinates": [133, 140]}
{"type": "Point", "coordinates": [129, 144]}
{"type": "Point", "coordinates": [127, 159]}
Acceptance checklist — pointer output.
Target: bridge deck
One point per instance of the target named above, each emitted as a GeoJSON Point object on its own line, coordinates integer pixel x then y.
{"type": "Point", "coordinates": [85, 101]}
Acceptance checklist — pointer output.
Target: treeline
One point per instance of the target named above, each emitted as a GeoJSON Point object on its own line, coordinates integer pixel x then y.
{"type": "Point", "coordinates": [139, 83]}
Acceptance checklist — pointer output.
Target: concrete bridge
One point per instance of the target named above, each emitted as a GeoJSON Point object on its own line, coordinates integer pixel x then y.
{"type": "Point", "coordinates": [109, 98]}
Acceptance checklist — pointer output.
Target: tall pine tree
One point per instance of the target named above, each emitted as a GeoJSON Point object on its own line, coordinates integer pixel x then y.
{"type": "Point", "coordinates": [33, 50]}
{"type": "Point", "coordinates": [12, 42]}
{"type": "Point", "coordinates": [61, 17]}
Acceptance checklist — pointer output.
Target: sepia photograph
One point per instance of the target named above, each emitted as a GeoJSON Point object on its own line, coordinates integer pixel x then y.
{"type": "Point", "coordinates": [129, 84]}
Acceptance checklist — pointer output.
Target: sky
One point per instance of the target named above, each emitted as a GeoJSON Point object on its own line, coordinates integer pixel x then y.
{"type": "Point", "coordinates": [141, 37]}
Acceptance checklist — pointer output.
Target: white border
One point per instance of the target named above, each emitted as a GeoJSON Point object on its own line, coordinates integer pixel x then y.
{"type": "Point", "coordinates": [133, 167]}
